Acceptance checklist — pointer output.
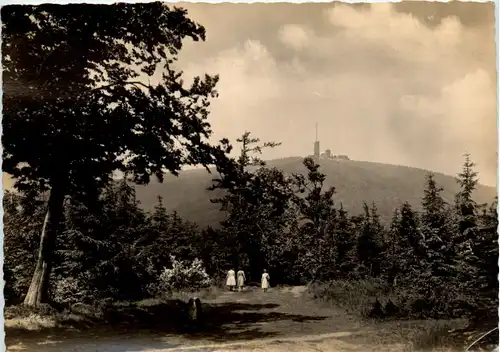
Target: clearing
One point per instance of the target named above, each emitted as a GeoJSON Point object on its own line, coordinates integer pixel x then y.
{"type": "Point", "coordinates": [283, 319]}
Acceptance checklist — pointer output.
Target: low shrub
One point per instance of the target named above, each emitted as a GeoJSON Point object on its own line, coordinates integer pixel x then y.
{"type": "Point", "coordinates": [374, 298]}
{"type": "Point", "coordinates": [355, 296]}
{"type": "Point", "coordinates": [435, 335]}
{"type": "Point", "coordinates": [183, 276]}
{"type": "Point", "coordinates": [69, 290]}
{"type": "Point", "coordinates": [22, 311]}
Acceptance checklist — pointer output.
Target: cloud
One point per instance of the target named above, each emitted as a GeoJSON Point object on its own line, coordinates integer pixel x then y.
{"type": "Point", "coordinates": [464, 114]}
{"type": "Point", "coordinates": [383, 86]}
{"type": "Point", "coordinates": [294, 36]}
{"type": "Point", "coordinates": [249, 77]}
{"type": "Point", "coordinates": [401, 32]}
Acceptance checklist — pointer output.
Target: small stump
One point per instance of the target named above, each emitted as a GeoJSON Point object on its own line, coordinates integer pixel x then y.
{"type": "Point", "coordinates": [194, 311]}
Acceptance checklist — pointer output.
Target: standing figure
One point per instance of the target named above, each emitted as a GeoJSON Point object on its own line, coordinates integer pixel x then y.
{"type": "Point", "coordinates": [231, 280]}
{"type": "Point", "coordinates": [265, 281]}
{"type": "Point", "coordinates": [241, 279]}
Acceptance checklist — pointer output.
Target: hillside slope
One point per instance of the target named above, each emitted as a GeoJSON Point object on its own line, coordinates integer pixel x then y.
{"type": "Point", "coordinates": [355, 182]}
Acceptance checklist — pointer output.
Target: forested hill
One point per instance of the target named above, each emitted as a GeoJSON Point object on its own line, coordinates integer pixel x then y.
{"type": "Point", "coordinates": [355, 183]}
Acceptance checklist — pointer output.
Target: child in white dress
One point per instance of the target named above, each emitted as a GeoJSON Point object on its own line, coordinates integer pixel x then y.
{"type": "Point", "coordinates": [265, 281]}
{"type": "Point", "coordinates": [241, 279]}
{"type": "Point", "coordinates": [231, 280]}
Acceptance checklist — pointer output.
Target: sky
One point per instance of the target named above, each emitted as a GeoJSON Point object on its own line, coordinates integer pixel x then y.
{"type": "Point", "coordinates": [411, 83]}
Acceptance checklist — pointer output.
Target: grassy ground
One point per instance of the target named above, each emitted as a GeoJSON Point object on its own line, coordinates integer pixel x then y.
{"type": "Point", "coordinates": [284, 319]}
{"type": "Point", "coordinates": [401, 324]}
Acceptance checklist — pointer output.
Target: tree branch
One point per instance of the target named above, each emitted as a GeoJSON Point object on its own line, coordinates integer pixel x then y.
{"type": "Point", "coordinates": [120, 83]}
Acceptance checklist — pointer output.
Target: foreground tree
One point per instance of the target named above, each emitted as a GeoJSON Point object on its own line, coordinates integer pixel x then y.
{"type": "Point", "coordinates": [317, 220]}
{"type": "Point", "coordinates": [464, 202]}
{"type": "Point", "coordinates": [22, 220]}
{"type": "Point", "coordinates": [76, 107]}
{"type": "Point", "coordinates": [255, 202]}
{"type": "Point", "coordinates": [433, 217]}
{"type": "Point", "coordinates": [478, 246]}
{"type": "Point", "coordinates": [370, 244]}
{"type": "Point", "coordinates": [408, 251]}
{"type": "Point", "coordinates": [436, 230]}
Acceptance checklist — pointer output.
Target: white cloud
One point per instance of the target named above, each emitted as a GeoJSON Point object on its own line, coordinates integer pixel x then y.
{"type": "Point", "coordinates": [402, 33]}
{"type": "Point", "coordinates": [248, 77]}
{"type": "Point", "coordinates": [294, 36]}
{"type": "Point", "coordinates": [382, 85]}
{"type": "Point", "coordinates": [465, 111]}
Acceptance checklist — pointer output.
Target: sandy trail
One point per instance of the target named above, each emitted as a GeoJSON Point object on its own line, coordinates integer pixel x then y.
{"type": "Point", "coordinates": [283, 319]}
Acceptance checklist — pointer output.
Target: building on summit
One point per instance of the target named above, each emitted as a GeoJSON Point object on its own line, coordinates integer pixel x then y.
{"type": "Point", "coordinates": [328, 153]}
{"type": "Point", "coordinates": [316, 144]}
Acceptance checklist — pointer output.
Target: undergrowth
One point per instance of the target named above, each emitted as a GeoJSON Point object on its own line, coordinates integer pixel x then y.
{"type": "Point", "coordinates": [396, 314]}
{"type": "Point", "coordinates": [165, 308]}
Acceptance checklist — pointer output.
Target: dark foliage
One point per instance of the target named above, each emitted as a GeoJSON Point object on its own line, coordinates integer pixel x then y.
{"type": "Point", "coordinates": [73, 80]}
{"type": "Point", "coordinates": [289, 225]}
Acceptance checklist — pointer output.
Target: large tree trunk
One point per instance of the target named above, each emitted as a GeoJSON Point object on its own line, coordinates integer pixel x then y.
{"type": "Point", "coordinates": [38, 290]}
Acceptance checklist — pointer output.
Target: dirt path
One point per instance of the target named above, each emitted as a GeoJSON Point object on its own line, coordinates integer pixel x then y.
{"type": "Point", "coordinates": [283, 319]}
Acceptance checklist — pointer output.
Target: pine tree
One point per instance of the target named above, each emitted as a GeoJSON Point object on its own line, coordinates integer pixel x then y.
{"type": "Point", "coordinates": [481, 265]}
{"type": "Point", "coordinates": [183, 238]}
{"type": "Point", "coordinates": [215, 250]}
{"type": "Point", "coordinates": [379, 236]}
{"type": "Point", "coordinates": [434, 206]}
{"type": "Point", "coordinates": [154, 248]}
{"type": "Point", "coordinates": [391, 263]}
{"type": "Point", "coordinates": [318, 218]}
{"type": "Point", "coordinates": [126, 228]}
{"type": "Point", "coordinates": [375, 220]}
{"type": "Point", "coordinates": [159, 217]}
{"type": "Point", "coordinates": [438, 278]}
{"type": "Point", "coordinates": [392, 234]}
{"type": "Point", "coordinates": [254, 202]}
{"type": "Point", "coordinates": [408, 249]}
{"type": "Point", "coordinates": [464, 202]}
{"type": "Point", "coordinates": [369, 246]}
{"type": "Point", "coordinates": [467, 231]}
{"type": "Point", "coordinates": [345, 243]}
{"type": "Point", "coordinates": [435, 230]}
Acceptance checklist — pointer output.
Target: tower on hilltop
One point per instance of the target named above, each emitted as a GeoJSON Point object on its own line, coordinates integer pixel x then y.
{"type": "Point", "coordinates": [316, 144]}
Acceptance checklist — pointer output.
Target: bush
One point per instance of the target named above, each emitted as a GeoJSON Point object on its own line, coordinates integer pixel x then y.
{"type": "Point", "coordinates": [183, 276]}
{"type": "Point", "coordinates": [69, 290]}
{"type": "Point", "coordinates": [435, 334]}
{"type": "Point", "coordinates": [450, 303]}
{"type": "Point", "coordinates": [360, 297]}
{"type": "Point", "coordinates": [355, 296]}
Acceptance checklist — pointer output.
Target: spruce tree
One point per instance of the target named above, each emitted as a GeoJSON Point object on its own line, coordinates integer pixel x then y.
{"type": "Point", "coordinates": [369, 247]}
{"type": "Point", "coordinates": [435, 229]}
{"type": "Point", "coordinates": [467, 231]}
{"type": "Point", "coordinates": [391, 263]}
{"type": "Point", "coordinates": [408, 245]}
{"type": "Point", "coordinates": [255, 199]}
{"type": "Point", "coordinates": [317, 217]}
{"type": "Point", "coordinates": [345, 242]}
{"type": "Point", "coordinates": [159, 216]}
{"type": "Point", "coordinates": [464, 202]}
{"type": "Point", "coordinates": [481, 266]}
{"type": "Point", "coordinates": [439, 267]}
